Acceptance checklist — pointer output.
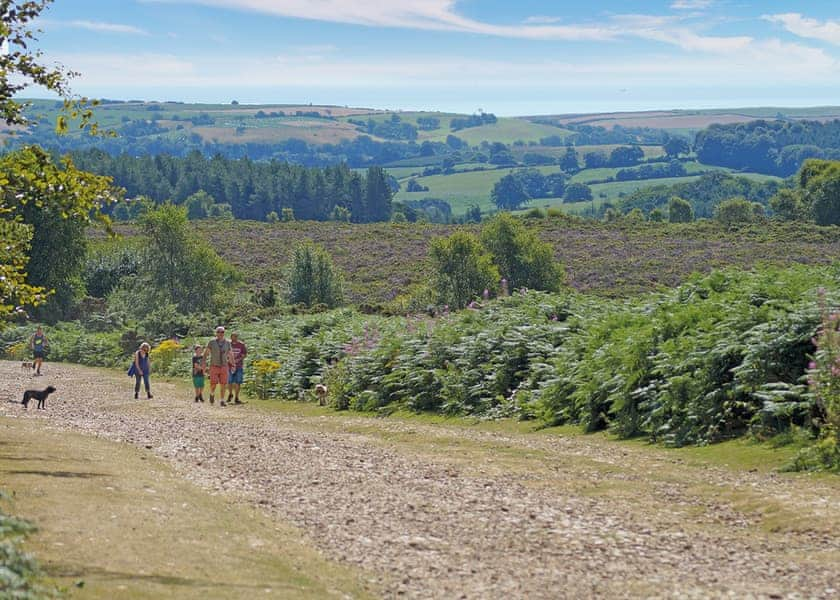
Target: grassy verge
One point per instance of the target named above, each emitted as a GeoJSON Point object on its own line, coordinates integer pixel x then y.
{"type": "Point", "coordinates": [115, 522]}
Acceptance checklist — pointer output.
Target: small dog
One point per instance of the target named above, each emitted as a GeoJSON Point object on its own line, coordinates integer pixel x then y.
{"type": "Point", "coordinates": [27, 365]}
{"type": "Point", "coordinates": [39, 395]}
{"type": "Point", "coordinates": [321, 393]}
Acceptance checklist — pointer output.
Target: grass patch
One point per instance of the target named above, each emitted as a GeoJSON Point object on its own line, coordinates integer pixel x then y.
{"type": "Point", "coordinates": [463, 190]}
{"type": "Point", "coordinates": [505, 130]}
{"type": "Point", "coordinates": [742, 454]}
{"type": "Point", "coordinates": [120, 523]}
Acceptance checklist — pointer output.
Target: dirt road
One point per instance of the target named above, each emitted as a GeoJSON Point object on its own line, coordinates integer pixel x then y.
{"type": "Point", "coordinates": [448, 511]}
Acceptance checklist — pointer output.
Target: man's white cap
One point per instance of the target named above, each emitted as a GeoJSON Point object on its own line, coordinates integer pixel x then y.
{"type": "Point", "coordinates": [220, 328]}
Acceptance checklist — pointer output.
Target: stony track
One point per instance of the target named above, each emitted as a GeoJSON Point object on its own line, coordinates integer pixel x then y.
{"type": "Point", "coordinates": [451, 511]}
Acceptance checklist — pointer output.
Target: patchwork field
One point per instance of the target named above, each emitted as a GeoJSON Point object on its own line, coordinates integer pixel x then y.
{"type": "Point", "coordinates": [692, 120]}
{"type": "Point", "coordinates": [463, 190]}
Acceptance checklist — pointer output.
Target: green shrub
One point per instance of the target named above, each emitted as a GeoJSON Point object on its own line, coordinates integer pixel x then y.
{"type": "Point", "coordinates": [735, 211]}
{"type": "Point", "coordinates": [312, 279]}
{"type": "Point", "coordinates": [522, 258]}
{"type": "Point", "coordinates": [19, 571]}
{"type": "Point", "coordinates": [680, 211]}
{"type": "Point", "coordinates": [463, 269]}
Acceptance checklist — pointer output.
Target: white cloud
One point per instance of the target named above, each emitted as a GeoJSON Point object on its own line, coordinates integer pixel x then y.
{"type": "Point", "coordinates": [436, 15]}
{"type": "Point", "coordinates": [102, 27]}
{"type": "Point", "coordinates": [825, 31]}
{"type": "Point", "coordinates": [691, 4]}
{"type": "Point", "coordinates": [541, 20]}
{"type": "Point", "coordinates": [441, 15]}
{"type": "Point", "coordinates": [759, 64]}
{"type": "Point", "coordinates": [106, 69]}
{"type": "Point", "coordinates": [670, 30]}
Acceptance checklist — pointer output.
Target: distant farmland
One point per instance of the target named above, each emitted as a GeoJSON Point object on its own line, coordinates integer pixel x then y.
{"type": "Point", "coordinates": [690, 120]}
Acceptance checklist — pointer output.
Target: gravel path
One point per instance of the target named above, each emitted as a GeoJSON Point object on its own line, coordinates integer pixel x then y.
{"type": "Point", "coordinates": [436, 511]}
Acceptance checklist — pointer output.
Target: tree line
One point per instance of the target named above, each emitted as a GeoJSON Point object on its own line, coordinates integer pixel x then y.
{"type": "Point", "coordinates": [773, 147]}
{"type": "Point", "coordinates": [251, 190]}
{"type": "Point", "coordinates": [703, 193]}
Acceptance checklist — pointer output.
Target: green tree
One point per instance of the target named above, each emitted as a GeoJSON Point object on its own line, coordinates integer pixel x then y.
{"type": "Point", "coordinates": [676, 146]}
{"type": "Point", "coordinates": [521, 257]}
{"type": "Point", "coordinates": [657, 215]}
{"type": "Point", "coordinates": [509, 193]}
{"type": "Point", "coordinates": [820, 183]}
{"type": "Point", "coordinates": [473, 214]}
{"type": "Point", "coordinates": [312, 279]}
{"type": "Point", "coordinates": [378, 195]}
{"type": "Point", "coordinates": [21, 66]}
{"type": "Point", "coordinates": [463, 269]}
{"type": "Point", "coordinates": [595, 159]}
{"type": "Point", "coordinates": [356, 190]}
{"type": "Point", "coordinates": [199, 205]}
{"type": "Point", "coordinates": [625, 156]}
{"type": "Point", "coordinates": [569, 162]}
{"type": "Point", "coordinates": [181, 266]}
{"type": "Point", "coordinates": [787, 205]}
{"type": "Point", "coordinates": [816, 195]}
{"type": "Point", "coordinates": [22, 182]}
{"type": "Point", "coordinates": [577, 192]}
{"type": "Point", "coordinates": [679, 210]}
{"type": "Point", "coordinates": [51, 206]}
{"type": "Point", "coordinates": [635, 216]}
{"type": "Point", "coordinates": [735, 211]}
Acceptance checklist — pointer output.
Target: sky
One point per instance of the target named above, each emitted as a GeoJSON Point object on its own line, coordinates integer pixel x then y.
{"type": "Point", "coordinates": [520, 57]}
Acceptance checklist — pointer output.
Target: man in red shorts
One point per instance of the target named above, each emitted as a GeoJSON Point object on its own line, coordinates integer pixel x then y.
{"type": "Point", "coordinates": [218, 349]}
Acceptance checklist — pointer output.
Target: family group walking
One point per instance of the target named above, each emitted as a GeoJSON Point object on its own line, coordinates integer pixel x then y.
{"type": "Point", "coordinates": [222, 360]}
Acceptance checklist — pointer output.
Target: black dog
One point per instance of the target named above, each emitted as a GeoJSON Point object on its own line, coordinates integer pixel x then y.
{"type": "Point", "coordinates": [39, 395]}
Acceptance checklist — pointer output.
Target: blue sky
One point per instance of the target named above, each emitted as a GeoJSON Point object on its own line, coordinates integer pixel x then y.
{"type": "Point", "coordinates": [511, 58]}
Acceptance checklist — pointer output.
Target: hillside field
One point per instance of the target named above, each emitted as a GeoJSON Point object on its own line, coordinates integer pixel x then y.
{"type": "Point", "coordinates": [687, 122]}
{"type": "Point", "coordinates": [383, 260]}
{"type": "Point", "coordinates": [465, 189]}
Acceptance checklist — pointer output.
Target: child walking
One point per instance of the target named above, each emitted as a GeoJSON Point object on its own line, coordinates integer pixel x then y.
{"type": "Point", "coordinates": [198, 372]}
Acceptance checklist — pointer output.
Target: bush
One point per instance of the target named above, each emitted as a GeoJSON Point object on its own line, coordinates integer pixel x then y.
{"type": "Point", "coordinates": [577, 192]}
{"type": "Point", "coordinates": [520, 256]}
{"type": "Point", "coordinates": [108, 263]}
{"type": "Point", "coordinates": [264, 382]}
{"type": "Point", "coordinates": [679, 210]}
{"type": "Point", "coordinates": [19, 572]}
{"type": "Point", "coordinates": [163, 355]}
{"type": "Point", "coordinates": [463, 269]}
{"type": "Point", "coordinates": [180, 266]}
{"type": "Point", "coordinates": [735, 211]}
{"type": "Point", "coordinates": [311, 278]}
{"type": "Point", "coordinates": [824, 382]}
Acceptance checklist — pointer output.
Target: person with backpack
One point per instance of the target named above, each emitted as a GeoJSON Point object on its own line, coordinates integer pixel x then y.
{"type": "Point", "coordinates": [141, 367]}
